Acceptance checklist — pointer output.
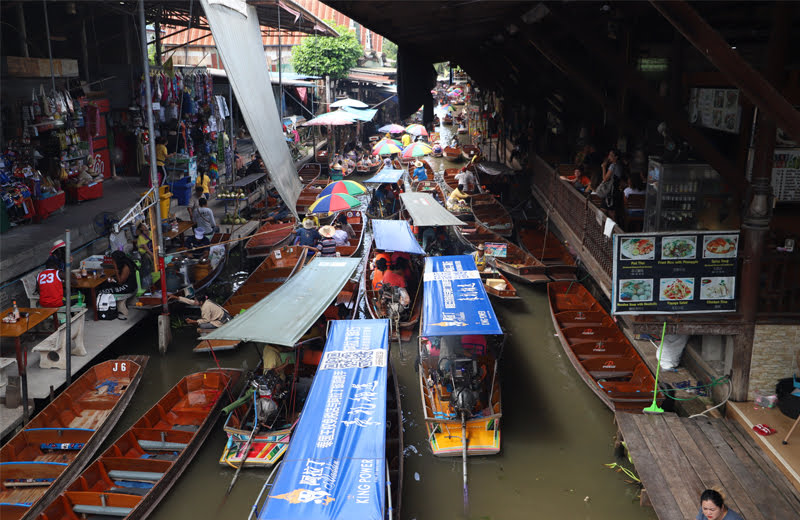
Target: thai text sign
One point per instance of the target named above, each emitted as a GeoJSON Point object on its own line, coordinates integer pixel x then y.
{"type": "Point", "coordinates": [664, 273]}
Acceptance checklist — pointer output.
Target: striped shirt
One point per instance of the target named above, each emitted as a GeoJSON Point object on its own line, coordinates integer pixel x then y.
{"type": "Point", "coordinates": [327, 247]}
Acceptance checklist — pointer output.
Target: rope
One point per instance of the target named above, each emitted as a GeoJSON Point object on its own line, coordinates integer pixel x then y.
{"type": "Point", "coordinates": [546, 231]}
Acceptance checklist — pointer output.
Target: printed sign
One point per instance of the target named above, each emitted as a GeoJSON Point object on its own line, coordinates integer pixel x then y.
{"type": "Point", "coordinates": [716, 108]}
{"type": "Point", "coordinates": [661, 273]}
{"type": "Point", "coordinates": [496, 249]}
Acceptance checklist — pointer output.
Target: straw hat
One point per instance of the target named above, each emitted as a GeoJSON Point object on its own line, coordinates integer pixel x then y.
{"type": "Point", "coordinates": [57, 245]}
{"type": "Point", "coordinates": [327, 231]}
{"type": "Point", "coordinates": [308, 223]}
{"type": "Point", "coordinates": [481, 247]}
{"type": "Point", "coordinates": [337, 166]}
{"type": "Point", "coordinates": [418, 163]}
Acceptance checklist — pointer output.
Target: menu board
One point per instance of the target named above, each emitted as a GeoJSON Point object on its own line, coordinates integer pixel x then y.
{"type": "Point", "coordinates": [716, 108]}
{"type": "Point", "coordinates": [786, 174]}
{"type": "Point", "coordinates": [665, 273]}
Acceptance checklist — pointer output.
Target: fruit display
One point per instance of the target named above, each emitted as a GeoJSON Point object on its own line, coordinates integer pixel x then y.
{"type": "Point", "coordinates": [224, 194]}
{"type": "Point", "coordinates": [233, 219]}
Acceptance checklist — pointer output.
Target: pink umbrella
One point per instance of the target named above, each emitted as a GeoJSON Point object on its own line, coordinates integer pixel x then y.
{"type": "Point", "coordinates": [416, 129]}
{"type": "Point", "coordinates": [417, 149]}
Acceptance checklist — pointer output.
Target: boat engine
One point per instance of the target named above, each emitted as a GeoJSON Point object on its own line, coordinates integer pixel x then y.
{"type": "Point", "coordinates": [390, 297]}
{"type": "Point", "coordinates": [466, 383]}
{"type": "Point", "coordinates": [270, 393]}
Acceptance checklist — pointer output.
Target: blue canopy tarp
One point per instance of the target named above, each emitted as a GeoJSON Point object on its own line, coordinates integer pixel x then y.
{"type": "Point", "coordinates": [455, 302]}
{"type": "Point", "coordinates": [386, 175]}
{"type": "Point", "coordinates": [335, 466]}
{"type": "Point", "coordinates": [395, 236]}
{"type": "Point", "coordinates": [361, 114]}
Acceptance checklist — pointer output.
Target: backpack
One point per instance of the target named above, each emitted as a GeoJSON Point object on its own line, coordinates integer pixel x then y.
{"type": "Point", "coordinates": [106, 307]}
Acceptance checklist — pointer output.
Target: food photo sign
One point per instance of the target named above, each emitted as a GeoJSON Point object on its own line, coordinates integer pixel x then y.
{"type": "Point", "coordinates": [666, 273]}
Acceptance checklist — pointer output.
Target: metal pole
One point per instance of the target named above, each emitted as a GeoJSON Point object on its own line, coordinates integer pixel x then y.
{"type": "Point", "coordinates": [280, 64]}
{"type": "Point", "coordinates": [49, 46]}
{"type": "Point", "coordinates": [232, 173]}
{"type": "Point", "coordinates": [68, 324]}
{"type": "Point", "coordinates": [84, 51]}
{"type": "Point", "coordinates": [163, 324]}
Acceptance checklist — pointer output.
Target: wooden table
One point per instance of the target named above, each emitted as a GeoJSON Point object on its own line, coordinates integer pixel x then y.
{"type": "Point", "coordinates": [90, 283]}
{"type": "Point", "coordinates": [16, 330]}
{"type": "Point", "coordinates": [183, 226]}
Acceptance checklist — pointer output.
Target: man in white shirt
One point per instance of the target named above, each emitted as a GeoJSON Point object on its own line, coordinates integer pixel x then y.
{"type": "Point", "coordinates": [467, 179]}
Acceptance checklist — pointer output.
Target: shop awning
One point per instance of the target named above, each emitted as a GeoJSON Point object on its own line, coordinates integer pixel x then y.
{"type": "Point", "coordinates": [395, 236]}
{"type": "Point", "coordinates": [361, 114]}
{"type": "Point", "coordinates": [237, 35]}
{"type": "Point", "coordinates": [454, 301]}
{"type": "Point", "coordinates": [425, 211]}
{"type": "Point", "coordinates": [386, 175]}
{"type": "Point", "coordinates": [284, 315]}
{"type": "Point", "coordinates": [336, 464]}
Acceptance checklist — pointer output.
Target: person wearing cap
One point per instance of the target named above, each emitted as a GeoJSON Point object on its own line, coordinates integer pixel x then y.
{"type": "Point", "coordinates": [479, 257]}
{"type": "Point", "coordinates": [419, 171]}
{"type": "Point", "coordinates": [327, 246]}
{"type": "Point", "coordinates": [313, 218]}
{"type": "Point", "coordinates": [307, 235]}
{"type": "Point", "coordinates": [59, 253]}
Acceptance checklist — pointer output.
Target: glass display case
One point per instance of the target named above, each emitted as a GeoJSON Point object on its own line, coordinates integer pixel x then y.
{"type": "Point", "coordinates": [686, 196]}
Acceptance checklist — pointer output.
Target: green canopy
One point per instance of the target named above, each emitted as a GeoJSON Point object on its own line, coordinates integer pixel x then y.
{"type": "Point", "coordinates": [284, 315]}
{"type": "Point", "coordinates": [425, 211]}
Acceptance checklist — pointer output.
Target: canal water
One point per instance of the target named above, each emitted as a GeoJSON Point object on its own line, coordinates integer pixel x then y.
{"type": "Point", "coordinates": [557, 435]}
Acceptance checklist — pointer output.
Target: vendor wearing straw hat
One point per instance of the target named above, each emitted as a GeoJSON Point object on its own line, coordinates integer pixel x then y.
{"type": "Point", "coordinates": [307, 235]}
{"type": "Point", "coordinates": [336, 172]}
{"type": "Point", "coordinates": [479, 257]}
{"type": "Point", "coordinates": [419, 171]}
{"type": "Point", "coordinates": [327, 246]}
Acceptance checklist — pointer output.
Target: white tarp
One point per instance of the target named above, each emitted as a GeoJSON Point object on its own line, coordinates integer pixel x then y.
{"type": "Point", "coordinates": [238, 40]}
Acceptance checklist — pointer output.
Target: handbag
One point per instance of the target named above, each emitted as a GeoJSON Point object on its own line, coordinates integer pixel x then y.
{"type": "Point", "coordinates": [605, 188]}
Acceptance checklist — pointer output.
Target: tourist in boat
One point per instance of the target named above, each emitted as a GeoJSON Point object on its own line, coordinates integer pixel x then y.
{"type": "Point", "coordinates": [49, 285]}
{"type": "Point", "coordinates": [341, 219]}
{"type": "Point", "coordinates": [396, 256]}
{"type": "Point", "coordinates": [327, 246]}
{"type": "Point", "coordinates": [466, 178]}
{"type": "Point", "coordinates": [395, 277]}
{"type": "Point", "coordinates": [381, 265]}
{"type": "Point", "coordinates": [340, 236]}
{"type": "Point", "coordinates": [457, 198]}
{"type": "Point", "coordinates": [419, 171]}
{"type": "Point", "coordinates": [437, 149]}
{"type": "Point", "coordinates": [387, 162]}
{"type": "Point", "coordinates": [480, 258]}
{"type": "Point", "coordinates": [712, 507]}
{"type": "Point", "coordinates": [212, 315]}
{"type": "Point", "coordinates": [307, 235]}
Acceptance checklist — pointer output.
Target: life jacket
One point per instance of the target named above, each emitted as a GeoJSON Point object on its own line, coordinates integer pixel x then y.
{"type": "Point", "coordinates": [377, 279]}
{"type": "Point", "coordinates": [386, 256]}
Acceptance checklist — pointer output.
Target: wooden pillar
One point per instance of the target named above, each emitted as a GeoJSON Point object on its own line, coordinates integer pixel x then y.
{"type": "Point", "coordinates": [23, 36]}
{"type": "Point", "coordinates": [757, 217]}
{"type": "Point", "coordinates": [85, 52]}
{"type": "Point", "coordinates": [157, 29]}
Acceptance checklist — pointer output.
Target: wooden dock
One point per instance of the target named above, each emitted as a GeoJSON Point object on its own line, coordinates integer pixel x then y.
{"type": "Point", "coordinates": [676, 458]}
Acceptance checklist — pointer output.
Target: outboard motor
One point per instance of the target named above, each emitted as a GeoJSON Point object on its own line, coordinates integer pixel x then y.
{"type": "Point", "coordinates": [268, 387]}
{"type": "Point", "coordinates": [464, 372]}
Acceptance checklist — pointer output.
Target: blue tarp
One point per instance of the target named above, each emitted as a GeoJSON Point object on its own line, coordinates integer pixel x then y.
{"type": "Point", "coordinates": [455, 302]}
{"type": "Point", "coordinates": [335, 467]}
{"type": "Point", "coordinates": [362, 114]}
{"type": "Point", "coordinates": [395, 236]}
{"type": "Point", "coordinates": [389, 175]}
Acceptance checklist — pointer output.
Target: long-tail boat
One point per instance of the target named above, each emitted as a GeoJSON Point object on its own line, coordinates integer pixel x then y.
{"type": "Point", "coordinates": [490, 213]}
{"type": "Point", "coordinates": [452, 153]}
{"type": "Point", "coordinates": [42, 459]}
{"type": "Point", "coordinates": [428, 169]}
{"type": "Point", "coordinates": [309, 172]}
{"type": "Point", "coordinates": [470, 151]}
{"type": "Point", "coordinates": [548, 249]}
{"type": "Point", "coordinates": [450, 177]}
{"type": "Point", "coordinates": [497, 285]}
{"type": "Point", "coordinates": [394, 440]}
{"type": "Point", "coordinates": [309, 194]}
{"type": "Point", "coordinates": [133, 475]}
{"type": "Point", "coordinates": [460, 342]}
{"type": "Point", "coordinates": [517, 263]}
{"type": "Point", "coordinates": [269, 236]}
{"type": "Point", "coordinates": [599, 351]}
{"type": "Point", "coordinates": [433, 188]}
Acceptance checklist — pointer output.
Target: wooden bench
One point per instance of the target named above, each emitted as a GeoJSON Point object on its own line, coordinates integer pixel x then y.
{"type": "Point", "coordinates": [4, 364]}
{"type": "Point", "coordinates": [53, 349]}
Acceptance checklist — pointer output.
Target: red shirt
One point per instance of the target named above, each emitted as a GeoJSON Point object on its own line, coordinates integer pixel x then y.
{"type": "Point", "coordinates": [392, 278]}
{"type": "Point", "coordinates": [51, 292]}
{"type": "Point", "coordinates": [377, 279]}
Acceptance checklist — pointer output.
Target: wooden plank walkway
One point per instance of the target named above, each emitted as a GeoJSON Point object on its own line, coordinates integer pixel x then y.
{"type": "Point", "coordinates": [677, 458]}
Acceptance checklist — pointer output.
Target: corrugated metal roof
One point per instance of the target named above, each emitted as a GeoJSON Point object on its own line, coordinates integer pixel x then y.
{"type": "Point", "coordinates": [425, 211]}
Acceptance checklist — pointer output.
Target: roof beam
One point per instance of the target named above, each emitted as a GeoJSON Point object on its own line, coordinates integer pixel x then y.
{"type": "Point", "coordinates": [711, 44]}
{"type": "Point", "coordinates": [672, 115]}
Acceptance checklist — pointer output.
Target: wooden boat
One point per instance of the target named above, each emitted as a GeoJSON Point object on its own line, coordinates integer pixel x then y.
{"type": "Point", "coordinates": [447, 120]}
{"type": "Point", "coordinates": [425, 164]}
{"type": "Point", "coordinates": [489, 212]}
{"type": "Point", "coordinates": [309, 194]}
{"type": "Point", "coordinates": [436, 120]}
{"type": "Point", "coordinates": [377, 308]}
{"type": "Point", "coordinates": [394, 439]}
{"type": "Point", "coordinates": [468, 151]}
{"type": "Point", "coordinates": [38, 463]}
{"type": "Point", "coordinates": [452, 153]}
{"type": "Point", "coordinates": [276, 268]}
{"type": "Point", "coordinates": [309, 172]}
{"type": "Point", "coordinates": [437, 151]}
{"type": "Point", "coordinates": [517, 263]}
{"type": "Point", "coordinates": [450, 177]}
{"type": "Point", "coordinates": [370, 169]}
{"type": "Point", "coordinates": [599, 351]}
{"type": "Point", "coordinates": [548, 249]}
{"type": "Point", "coordinates": [356, 220]}
{"type": "Point", "coordinates": [321, 156]}
{"type": "Point", "coordinates": [269, 236]}
{"type": "Point", "coordinates": [442, 422]}
{"type": "Point", "coordinates": [497, 285]}
{"type": "Point", "coordinates": [135, 473]}
{"type": "Point", "coordinates": [431, 187]}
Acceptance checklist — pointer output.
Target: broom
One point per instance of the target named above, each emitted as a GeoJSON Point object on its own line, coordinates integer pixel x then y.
{"type": "Point", "coordinates": [654, 408]}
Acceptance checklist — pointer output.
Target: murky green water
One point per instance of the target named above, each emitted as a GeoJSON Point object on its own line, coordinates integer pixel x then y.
{"type": "Point", "coordinates": [557, 435]}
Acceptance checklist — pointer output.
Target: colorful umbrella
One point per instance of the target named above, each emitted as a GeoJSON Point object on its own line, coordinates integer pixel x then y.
{"type": "Point", "coordinates": [417, 149]}
{"type": "Point", "coordinates": [348, 187]}
{"type": "Point", "coordinates": [416, 129]}
{"type": "Point", "coordinates": [447, 108]}
{"type": "Point", "coordinates": [392, 129]}
{"type": "Point", "coordinates": [347, 102]}
{"type": "Point", "coordinates": [335, 118]}
{"type": "Point", "coordinates": [334, 202]}
{"type": "Point", "coordinates": [386, 147]}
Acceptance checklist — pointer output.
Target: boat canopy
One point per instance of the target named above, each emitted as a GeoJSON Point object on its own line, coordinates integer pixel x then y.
{"type": "Point", "coordinates": [455, 302]}
{"type": "Point", "coordinates": [284, 315]}
{"type": "Point", "coordinates": [425, 211]}
{"type": "Point", "coordinates": [361, 114]}
{"type": "Point", "coordinates": [335, 467]}
{"type": "Point", "coordinates": [386, 175]}
{"type": "Point", "coordinates": [395, 236]}
{"type": "Point", "coordinates": [494, 168]}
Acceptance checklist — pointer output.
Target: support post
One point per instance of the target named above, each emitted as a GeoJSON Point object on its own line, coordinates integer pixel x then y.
{"type": "Point", "coordinates": [84, 51]}
{"type": "Point", "coordinates": [68, 291]}
{"type": "Point", "coordinates": [756, 220]}
{"type": "Point", "coordinates": [49, 46]}
{"type": "Point", "coordinates": [23, 34]}
{"type": "Point", "coordinates": [163, 320]}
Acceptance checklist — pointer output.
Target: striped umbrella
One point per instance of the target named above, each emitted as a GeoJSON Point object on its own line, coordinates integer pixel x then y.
{"type": "Point", "coordinates": [348, 187]}
{"type": "Point", "coordinates": [392, 128]}
{"type": "Point", "coordinates": [334, 202]}
{"type": "Point", "coordinates": [387, 147]}
{"type": "Point", "coordinates": [416, 129]}
{"type": "Point", "coordinates": [417, 149]}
